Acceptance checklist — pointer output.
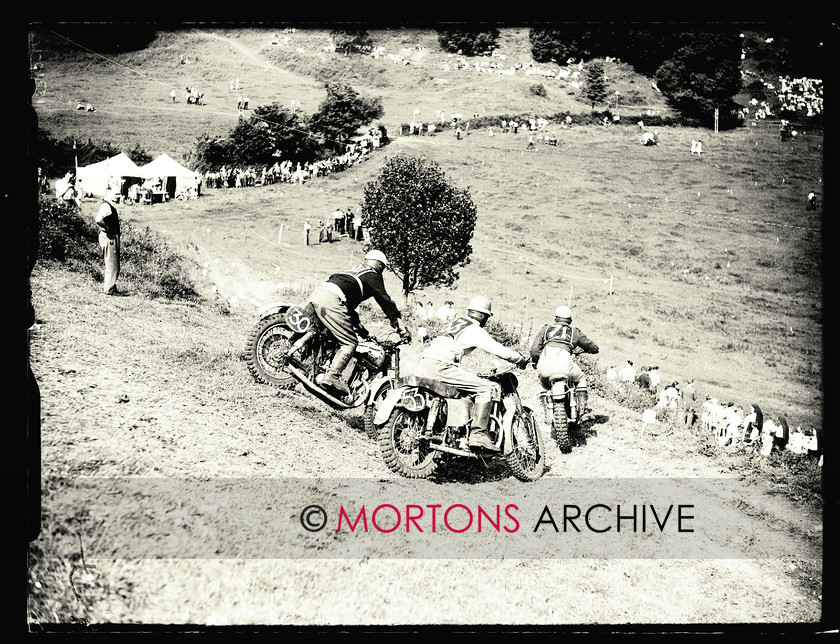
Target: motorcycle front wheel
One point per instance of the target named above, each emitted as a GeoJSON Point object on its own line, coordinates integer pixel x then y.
{"type": "Point", "coordinates": [527, 457]}
{"type": "Point", "coordinates": [266, 344]}
{"type": "Point", "coordinates": [370, 410]}
{"type": "Point", "coordinates": [401, 447]}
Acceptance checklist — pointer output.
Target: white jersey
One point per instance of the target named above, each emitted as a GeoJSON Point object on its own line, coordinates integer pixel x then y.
{"type": "Point", "coordinates": [460, 337]}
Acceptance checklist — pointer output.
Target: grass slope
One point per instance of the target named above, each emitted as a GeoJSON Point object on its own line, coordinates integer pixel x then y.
{"type": "Point", "coordinates": [716, 270]}
{"type": "Point", "coordinates": [715, 265]}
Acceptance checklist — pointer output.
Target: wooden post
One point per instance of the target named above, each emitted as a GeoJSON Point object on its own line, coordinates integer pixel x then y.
{"type": "Point", "coordinates": [611, 284]}
{"type": "Point", "coordinates": [717, 112]}
{"type": "Point", "coordinates": [280, 238]}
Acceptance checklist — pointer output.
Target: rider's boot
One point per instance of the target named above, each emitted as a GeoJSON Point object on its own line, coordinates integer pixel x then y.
{"type": "Point", "coordinates": [581, 396]}
{"type": "Point", "coordinates": [333, 379]}
{"type": "Point", "coordinates": [479, 437]}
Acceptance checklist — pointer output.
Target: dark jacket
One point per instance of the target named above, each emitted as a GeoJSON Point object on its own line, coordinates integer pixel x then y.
{"type": "Point", "coordinates": [361, 283]}
{"type": "Point", "coordinates": [561, 335]}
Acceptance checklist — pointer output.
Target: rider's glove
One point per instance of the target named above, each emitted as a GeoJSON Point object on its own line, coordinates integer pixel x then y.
{"type": "Point", "coordinates": [523, 361]}
{"type": "Point", "coordinates": [362, 332]}
{"type": "Point", "coordinates": [405, 335]}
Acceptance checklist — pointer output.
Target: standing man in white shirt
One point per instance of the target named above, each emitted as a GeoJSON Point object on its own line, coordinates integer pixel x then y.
{"type": "Point", "coordinates": [108, 221]}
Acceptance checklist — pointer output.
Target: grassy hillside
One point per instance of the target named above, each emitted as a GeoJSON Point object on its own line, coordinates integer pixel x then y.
{"type": "Point", "coordinates": [714, 263]}
{"type": "Point", "coordinates": [709, 267]}
{"type": "Point", "coordinates": [131, 90]}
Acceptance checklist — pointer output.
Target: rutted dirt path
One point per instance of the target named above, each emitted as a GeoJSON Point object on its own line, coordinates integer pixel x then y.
{"type": "Point", "coordinates": [113, 408]}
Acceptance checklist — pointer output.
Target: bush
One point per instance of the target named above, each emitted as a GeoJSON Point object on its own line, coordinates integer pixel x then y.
{"type": "Point", "coordinates": [65, 237]}
{"type": "Point", "coordinates": [503, 333]}
{"type": "Point", "coordinates": [147, 260]}
{"type": "Point", "coordinates": [537, 89]}
{"type": "Point", "coordinates": [150, 262]}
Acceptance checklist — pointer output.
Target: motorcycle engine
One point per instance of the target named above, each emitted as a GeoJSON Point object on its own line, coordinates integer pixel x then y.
{"type": "Point", "coordinates": [371, 353]}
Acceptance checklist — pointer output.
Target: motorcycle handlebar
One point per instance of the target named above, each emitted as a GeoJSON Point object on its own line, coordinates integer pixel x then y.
{"type": "Point", "coordinates": [498, 371]}
{"type": "Point", "coordinates": [386, 342]}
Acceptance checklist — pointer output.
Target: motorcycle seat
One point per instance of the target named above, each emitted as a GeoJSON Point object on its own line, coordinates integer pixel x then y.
{"type": "Point", "coordinates": [442, 390]}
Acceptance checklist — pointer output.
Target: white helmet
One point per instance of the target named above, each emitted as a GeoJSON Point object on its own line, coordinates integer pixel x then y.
{"type": "Point", "coordinates": [481, 304]}
{"type": "Point", "coordinates": [378, 255]}
{"type": "Point", "coordinates": [563, 312]}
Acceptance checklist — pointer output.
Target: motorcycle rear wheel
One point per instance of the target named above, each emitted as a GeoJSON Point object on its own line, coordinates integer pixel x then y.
{"type": "Point", "coordinates": [265, 345]}
{"type": "Point", "coordinates": [403, 451]}
{"type": "Point", "coordinates": [560, 427]}
{"type": "Point", "coordinates": [527, 458]}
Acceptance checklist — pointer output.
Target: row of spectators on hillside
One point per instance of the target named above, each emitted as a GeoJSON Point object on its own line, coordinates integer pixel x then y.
{"type": "Point", "coordinates": [287, 172]}
{"type": "Point", "coordinates": [799, 95]}
{"type": "Point", "coordinates": [396, 59]}
{"type": "Point", "coordinates": [728, 424]}
{"type": "Point", "coordinates": [737, 428]}
{"type": "Point", "coordinates": [500, 66]}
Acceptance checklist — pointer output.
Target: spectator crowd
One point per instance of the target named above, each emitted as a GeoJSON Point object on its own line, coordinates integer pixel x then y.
{"type": "Point", "coordinates": [728, 425]}
{"type": "Point", "coordinates": [285, 171]}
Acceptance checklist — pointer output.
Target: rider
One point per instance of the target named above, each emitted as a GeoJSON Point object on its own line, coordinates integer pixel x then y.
{"type": "Point", "coordinates": [441, 361]}
{"type": "Point", "coordinates": [552, 352]}
{"type": "Point", "coordinates": [336, 302]}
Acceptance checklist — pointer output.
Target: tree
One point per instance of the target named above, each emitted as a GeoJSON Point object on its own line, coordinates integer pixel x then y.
{"type": "Point", "coordinates": [647, 48]}
{"type": "Point", "coordinates": [595, 85]}
{"type": "Point", "coordinates": [572, 41]}
{"type": "Point", "coordinates": [350, 42]}
{"type": "Point", "coordinates": [270, 133]}
{"type": "Point", "coordinates": [790, 49]}
{"type": "Point", "coordinates": [469, 42]}
{"type": "Point", "coordinates": [342, 113]}
{"type": "Point", "coordinates": [420, 221]}
{"type": "Point", "coordinates": [703, 74]}
{"type": "Point", "coordinates": [279, 131]}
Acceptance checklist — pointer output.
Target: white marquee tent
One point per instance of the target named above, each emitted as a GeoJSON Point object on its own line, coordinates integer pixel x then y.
{"type": "Point", "coordinates": [176, 178]}
{"type": "Point", "coordinates": [96, 178]}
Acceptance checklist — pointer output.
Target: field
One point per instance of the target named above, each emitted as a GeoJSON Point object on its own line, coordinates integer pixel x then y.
{"type": "Point", "coordinates": [710, 268]}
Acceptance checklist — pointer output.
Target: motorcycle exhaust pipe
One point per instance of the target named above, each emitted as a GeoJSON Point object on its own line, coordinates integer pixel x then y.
{"type": "Point", "coordinates": [451, 450]}
{"type": "Point", "coordinates": [306, 337]}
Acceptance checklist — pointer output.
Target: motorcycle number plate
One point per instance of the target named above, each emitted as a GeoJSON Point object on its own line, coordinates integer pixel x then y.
{"type": "Point", "coordinates": [297, 320]}
{"type": "Point", "coordinates": [558, 388]}
{"type": "Point", "coordinates": [413, 400]}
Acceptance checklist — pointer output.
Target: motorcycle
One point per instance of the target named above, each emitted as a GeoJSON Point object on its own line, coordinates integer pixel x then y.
{"type": "Point", "coordinates": [423, 421]}
{"type": "Point", "coordinates": [290, 345]}
{"type": "Point", "coordinates": [561, 411]}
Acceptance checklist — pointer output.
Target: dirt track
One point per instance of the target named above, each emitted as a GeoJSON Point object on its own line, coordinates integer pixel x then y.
{"type": "Point", "coordinates": [118, 402]}
{"type": "Point", "coordinates": [116, 405]}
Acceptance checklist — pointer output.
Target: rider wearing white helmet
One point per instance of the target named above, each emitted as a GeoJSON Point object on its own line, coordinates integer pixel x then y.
{"type": "Point", "coordinates": [552, 353]}
{"type": "Point", "coordinates": [441, 361]}
{"type": "Point", "coordinates": [336, 304]}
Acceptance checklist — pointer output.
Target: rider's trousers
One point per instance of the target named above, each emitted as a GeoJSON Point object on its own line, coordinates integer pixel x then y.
{"type": "Point", "coordinates": [462, 379]}
{"type": "Point", "coordinates": [555, 363]}
{"type": "Point", "coordinates": [334, 314]}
